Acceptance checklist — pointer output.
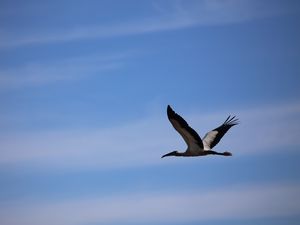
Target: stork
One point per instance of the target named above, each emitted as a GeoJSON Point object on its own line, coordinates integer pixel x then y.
{"type": "Point", "coordinates": [196, 146]}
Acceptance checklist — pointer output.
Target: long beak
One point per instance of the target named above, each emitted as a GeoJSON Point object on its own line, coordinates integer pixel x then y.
{"type": "Point", "coordinates": [168, 154]}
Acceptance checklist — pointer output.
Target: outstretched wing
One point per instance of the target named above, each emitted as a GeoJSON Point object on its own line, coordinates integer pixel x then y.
{"type": "Point", "coordinates": [189, 135]}
{"type": "Point", "coordinates": [212, 138]}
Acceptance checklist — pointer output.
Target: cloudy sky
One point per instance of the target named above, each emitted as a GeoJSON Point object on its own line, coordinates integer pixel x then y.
{"type": "Point", "coordinates": [84, 87]}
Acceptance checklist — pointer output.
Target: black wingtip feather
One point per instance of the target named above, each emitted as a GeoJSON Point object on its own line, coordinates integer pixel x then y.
{"type": "Point", "coordinates": [231, 121]}
{"type": "Point", "coordinates": [227, 119]}
{"type": "Point", "coordinates": [228, 123]}
{"type": "Point", "coordinates": [170, 111]}
{"type": "Point", "coordinates": [172, 115]}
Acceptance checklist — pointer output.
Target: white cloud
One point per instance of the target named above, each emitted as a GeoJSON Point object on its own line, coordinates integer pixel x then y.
{"type": "Point", "coordinates": [141, 143]}
{"type": "Point", "coordinates": [109, 147]}
{"type": "Point", "coordinates": [243, 202]}
{"type": "Point", "coordinates": [178, 15]}
{"type": "Point", "coordinates": [262, 128]}
{"type": "Point", "coordinates": [36, 73]}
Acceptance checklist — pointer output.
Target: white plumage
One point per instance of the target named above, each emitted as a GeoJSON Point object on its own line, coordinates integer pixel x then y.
{"type": "Point", "coordinates": [195, 145]}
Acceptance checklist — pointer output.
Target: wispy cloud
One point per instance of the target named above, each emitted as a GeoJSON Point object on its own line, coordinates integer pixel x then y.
{"type": "Point", "coordinates": [41, 73]}
{"type": "Point", "coordinates": [262, 129]}
{"type": "Point", "coordinates": [243, 202]}
{"type": "Point", "coordinates": [176, 15]}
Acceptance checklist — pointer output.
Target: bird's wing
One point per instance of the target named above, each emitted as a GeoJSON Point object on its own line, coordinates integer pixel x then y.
{"type": "Point", "coordinates": [212, 138]}
{"type": "Point", "coordinates": [189, 135]}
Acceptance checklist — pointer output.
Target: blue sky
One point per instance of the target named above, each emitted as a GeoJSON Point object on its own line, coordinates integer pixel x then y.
{"type": "Point", "coordinates": [84, 87]}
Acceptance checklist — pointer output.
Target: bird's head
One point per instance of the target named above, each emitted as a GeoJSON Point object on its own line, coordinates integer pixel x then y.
{"type": "Point", "coordinates": [174, 153]}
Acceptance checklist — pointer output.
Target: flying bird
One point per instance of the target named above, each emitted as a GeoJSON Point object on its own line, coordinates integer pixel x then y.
{"type": "Point", "coordinates": [195, 145]}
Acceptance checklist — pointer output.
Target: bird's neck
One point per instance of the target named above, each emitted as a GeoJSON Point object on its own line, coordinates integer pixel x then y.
{"type": "Point", "coordinates": [176, 153]}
